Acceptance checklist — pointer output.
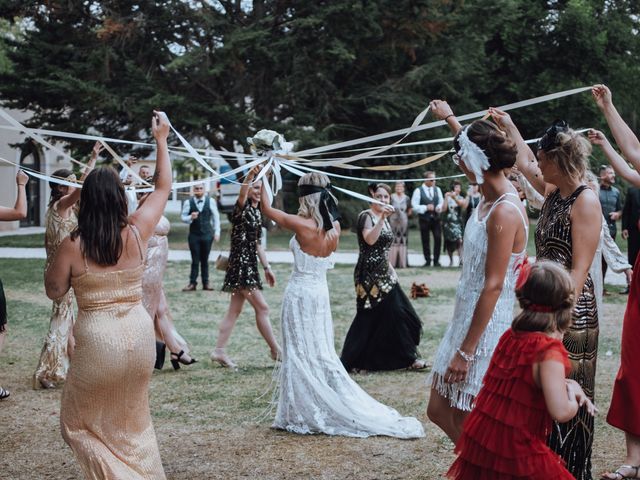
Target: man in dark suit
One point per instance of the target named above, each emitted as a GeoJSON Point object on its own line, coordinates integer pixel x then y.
{"type": "Point", "coordinates": [630, 218]}
{"type": "Point", "coordinates": [427, 201]}
{"type": "Point", "coordinates": [201, 213]}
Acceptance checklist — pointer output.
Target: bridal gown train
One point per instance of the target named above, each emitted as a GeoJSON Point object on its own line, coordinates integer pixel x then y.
{"type": "Point", "coordinates": [316, 394]}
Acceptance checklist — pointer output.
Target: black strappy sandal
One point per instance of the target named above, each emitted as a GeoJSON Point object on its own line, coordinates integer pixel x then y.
{"type": "Point", "coordinates": [176, 360]}
{"type": "Point", "coordinates": [4, 393]}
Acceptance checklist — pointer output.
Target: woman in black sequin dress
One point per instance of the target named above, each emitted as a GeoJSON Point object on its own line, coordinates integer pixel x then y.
{"type": "Point", "coordinates": [242, 279]}
{"type": "Point", "coordinates": [568, 232]}
{"type": "Point", "coordinates": [386, 330]}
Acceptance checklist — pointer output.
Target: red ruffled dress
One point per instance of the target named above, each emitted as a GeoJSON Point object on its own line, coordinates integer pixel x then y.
{"type": "Point", "coordinates": [623, 412]}
{"type": "Point", "coordinates": [505, 435]}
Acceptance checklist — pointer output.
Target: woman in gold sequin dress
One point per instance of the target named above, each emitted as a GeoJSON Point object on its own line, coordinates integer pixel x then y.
{"type": "Point", "coordinates": [104, 413]}
{"type": "Point", "coordinates": [568, 232]}
{"type": "Point", "coordinates": [399, 221]}
{"type": "Point", "coordinates": [60, 221]}
{"type": "Point", "coordinates": [385, 333]}
{"type": "Point", "coordinates": [154, 299]}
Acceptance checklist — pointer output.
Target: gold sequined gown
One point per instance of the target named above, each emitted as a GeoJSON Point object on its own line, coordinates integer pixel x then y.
{"type": "Point", "coordinates": [153, 297]}
{"type": "Point", "coordinates": [54, 358]}
{"type": "Point", "coordinates": [105, 414]}
{"type": "Point", "coordinates": [572, 440]}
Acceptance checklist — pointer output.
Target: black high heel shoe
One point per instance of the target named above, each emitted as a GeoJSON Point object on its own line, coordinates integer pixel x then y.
{"type": "Point", "coordinates": [176, 360]}
{"type": "Point", "coordinates": [160, 354]}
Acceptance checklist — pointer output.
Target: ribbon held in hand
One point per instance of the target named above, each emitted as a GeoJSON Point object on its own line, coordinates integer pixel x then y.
{"type": "Point", "coordinates": [328, 207]}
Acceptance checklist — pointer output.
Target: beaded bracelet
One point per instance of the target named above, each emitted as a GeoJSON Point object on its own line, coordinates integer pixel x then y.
{"type": "Point", "coordinates": [465, 356]}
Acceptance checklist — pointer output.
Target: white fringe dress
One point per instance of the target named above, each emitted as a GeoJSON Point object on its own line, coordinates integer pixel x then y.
{"type": "Point", "coordinates": [462, 394]}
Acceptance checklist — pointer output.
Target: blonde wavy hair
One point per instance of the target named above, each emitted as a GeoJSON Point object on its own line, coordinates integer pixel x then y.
{"type": "Point", "coordinates": [310, 204]}
{"type": "Point", "coordinates": [590, 178]}
{"type": "Point", "coordinates": [571, 155]}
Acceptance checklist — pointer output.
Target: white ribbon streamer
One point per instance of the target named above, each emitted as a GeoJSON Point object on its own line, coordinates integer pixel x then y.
{"type": "Point", "coordinates": [118, 159]}
{"type": "Point", "coordinates": [427, 126]}
{"type": "Point", "coordinates": [37, 137]}
{"type": "Point", "coordinates": [359, 196]}
{"type": "Point", "coordinates": [370, 180]}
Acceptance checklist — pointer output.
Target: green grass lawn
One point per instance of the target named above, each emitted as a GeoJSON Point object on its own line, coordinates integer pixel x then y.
{"type": "Point", "coordinates": [213, 423]}
{"type": "Point", "coordinates": [276, 239]}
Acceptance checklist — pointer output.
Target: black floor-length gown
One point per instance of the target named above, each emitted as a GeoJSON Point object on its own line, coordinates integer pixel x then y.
{"type": "Point", "coordinates": [386, 330]}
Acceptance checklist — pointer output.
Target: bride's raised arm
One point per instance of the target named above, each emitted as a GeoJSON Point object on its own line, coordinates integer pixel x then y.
{"type": "Point", "coordinates": [283, 219]}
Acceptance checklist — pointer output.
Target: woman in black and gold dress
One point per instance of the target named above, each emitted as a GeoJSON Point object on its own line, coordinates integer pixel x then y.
{"type": "Point", "coordinates": [386, 330]}
{"type": "Point", "coordinates": [568, 232]}
{"type": "Point", "coordinates": [242, 279]}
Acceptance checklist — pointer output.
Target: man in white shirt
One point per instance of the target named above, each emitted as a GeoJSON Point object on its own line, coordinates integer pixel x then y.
{"type": "Point", "coordinates": [201, 213]}
{"type": "Point", "coordinates": [124, 172]}
{"type": "Point", "coordinates": [427, 201]}
{"type": "Point", "coordinates": [130, 192]}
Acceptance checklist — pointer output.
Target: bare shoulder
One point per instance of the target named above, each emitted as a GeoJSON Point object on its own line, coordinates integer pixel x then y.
{"type": "Point", "coordinates": [69, 253]}
{"type": "Point", "coordinates": [586, 204]}
{"type": "Point", "coordinates": [69, 246]}
{"type": "Point", "coordinates": [506, 215]}
{"type": "Point", "coordinates": [587, 197]}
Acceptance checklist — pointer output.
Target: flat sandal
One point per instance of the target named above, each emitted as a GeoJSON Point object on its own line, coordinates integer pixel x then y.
{"type": "Point", "coordinates": [620, 476]}
{"type": "Point", "coordinates": [4, 393]}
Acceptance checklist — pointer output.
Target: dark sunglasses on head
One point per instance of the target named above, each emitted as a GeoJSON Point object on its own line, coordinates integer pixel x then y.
{"type": "Point", "coordinates": [549, 139]}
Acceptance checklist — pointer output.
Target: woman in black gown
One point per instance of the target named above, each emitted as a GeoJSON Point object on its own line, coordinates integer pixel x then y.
{"type": "Point", "coordinates": [386, 330]}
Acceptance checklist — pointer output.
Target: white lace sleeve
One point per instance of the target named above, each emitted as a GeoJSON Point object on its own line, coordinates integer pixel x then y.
{"type": "Point", "coordinates": [533, 196]}
{"type": "Point", "coordinates": [615, 259]}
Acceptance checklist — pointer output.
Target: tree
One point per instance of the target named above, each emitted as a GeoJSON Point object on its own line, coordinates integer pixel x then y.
{"type": "Point", "coordinates": [317, 71]}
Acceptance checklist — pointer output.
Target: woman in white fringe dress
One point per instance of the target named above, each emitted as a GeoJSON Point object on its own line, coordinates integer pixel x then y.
{"type": "Point", "coordinates": [316, 394]}
{"type": "Point", "coordinates": [495, 241]}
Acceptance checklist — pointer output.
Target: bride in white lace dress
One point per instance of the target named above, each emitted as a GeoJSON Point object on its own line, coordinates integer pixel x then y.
{"type": "Point", "coordinates": [316, 394]}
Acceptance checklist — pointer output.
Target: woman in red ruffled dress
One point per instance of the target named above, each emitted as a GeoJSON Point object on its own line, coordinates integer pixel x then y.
{"type": "Point", "coordinates": [525, 388]}
{"type": "Point", "coordinates": [623, 412]}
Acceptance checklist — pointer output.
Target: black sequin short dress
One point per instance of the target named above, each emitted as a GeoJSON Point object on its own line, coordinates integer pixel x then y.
{"type": "Point", "coordinates": [246, 232]}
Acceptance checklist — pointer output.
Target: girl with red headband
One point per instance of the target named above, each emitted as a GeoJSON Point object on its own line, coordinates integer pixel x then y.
{"type": "Point", "coordinates": [525, 387]}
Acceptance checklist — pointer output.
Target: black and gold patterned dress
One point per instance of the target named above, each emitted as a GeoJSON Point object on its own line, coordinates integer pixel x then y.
{"type": "Point", "coordinates": [386, 331]}
{"type": "Point", "coordinates": [246, 232]}
{"type": "Point", "coordinates": [572, 440]}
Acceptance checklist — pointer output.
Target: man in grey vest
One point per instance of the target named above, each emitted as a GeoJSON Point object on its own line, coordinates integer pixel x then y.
{"type": "Point", "coordinates": [427, 201]}
{"type": "Point", "coordinates": [201, 213]}
{"type": "Point", "coordinates": [611, 203]}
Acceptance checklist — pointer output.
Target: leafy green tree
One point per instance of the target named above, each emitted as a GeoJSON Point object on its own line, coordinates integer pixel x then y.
{"type": "Point", "coordinates": [318, 71]}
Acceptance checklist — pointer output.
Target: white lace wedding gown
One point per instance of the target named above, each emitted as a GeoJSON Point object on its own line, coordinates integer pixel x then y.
{"type": "Point", "coordinates": [316, 394]}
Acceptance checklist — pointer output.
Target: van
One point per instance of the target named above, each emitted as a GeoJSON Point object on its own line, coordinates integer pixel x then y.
{"type": "Point", "coordinates": [228, 190]}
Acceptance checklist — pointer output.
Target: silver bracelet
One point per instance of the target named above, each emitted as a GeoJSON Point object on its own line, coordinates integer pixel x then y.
{"type": "Point", "coordinates": [465, 356]}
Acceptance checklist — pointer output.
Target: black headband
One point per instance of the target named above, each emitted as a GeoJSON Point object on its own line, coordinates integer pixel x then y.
{"type": "Point", "coordinates": [549, 139]}
{"type": "Point", "coordinates": [328, 208]}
